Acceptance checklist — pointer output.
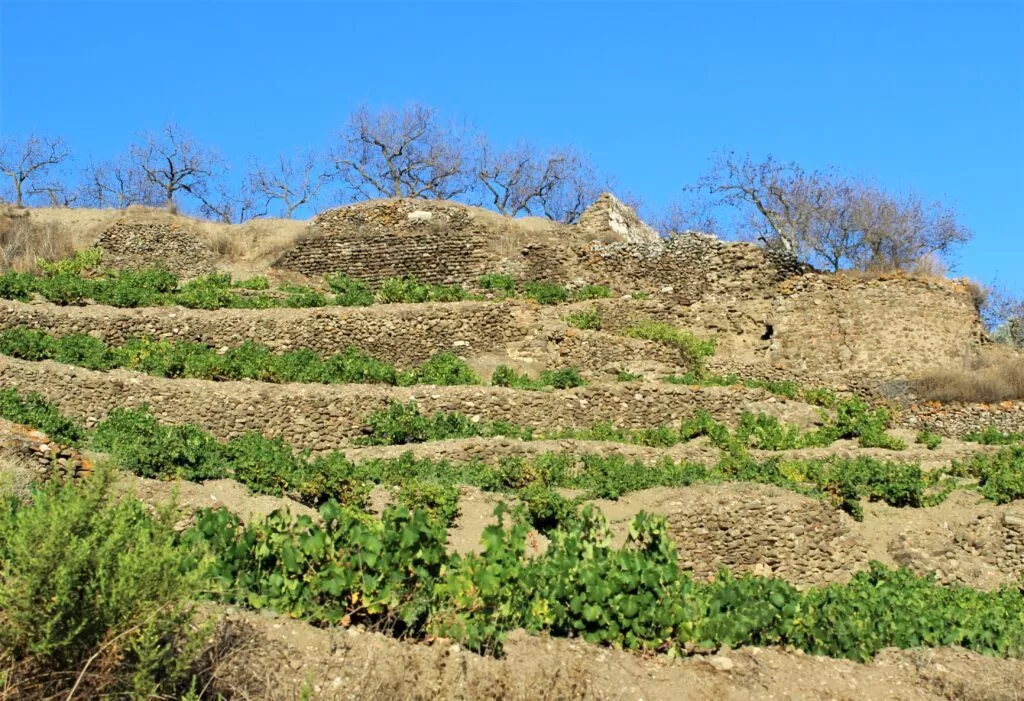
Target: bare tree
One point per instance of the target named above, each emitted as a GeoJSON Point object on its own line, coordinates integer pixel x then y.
{"type": "Point", "coordinates": [897, 231]}
{"type": "Point", "coordinates": [118, 183]}
{"type": "Point", "coordinates": [29, 160]}
{"type": "Point", "coordinates": [223, 204]}
{"type": "Point", "coordinates": [826, 217]}
{"type": "Point", "coordinates": [403, 154]}
{"type": "Point", "coordinates": [294, 181]}
{"type": "Point", "coordinates": [576, 189]}
{"type": "Point", "coordinates": [558, 184]}
{"type": "Point", "coordinates": [175, 163]}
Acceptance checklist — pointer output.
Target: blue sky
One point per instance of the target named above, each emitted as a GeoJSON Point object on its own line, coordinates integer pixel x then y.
{"type": "Point", "coordinates": [922, 96]}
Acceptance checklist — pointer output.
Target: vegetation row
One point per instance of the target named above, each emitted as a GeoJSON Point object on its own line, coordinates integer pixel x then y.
{"type": "Point", "coordinates": [80, 279]}
{"type": "Point", "coordinates": [138, 443]}
{"type": "Point", "coordinates": [89, 577]}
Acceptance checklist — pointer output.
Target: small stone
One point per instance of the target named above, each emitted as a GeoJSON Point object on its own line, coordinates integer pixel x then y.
{"type": "Point", "coordinates": [721, 663]}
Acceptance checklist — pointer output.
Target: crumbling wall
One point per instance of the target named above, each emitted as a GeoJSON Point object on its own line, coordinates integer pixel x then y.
{"type": "Point", "coordinates": [140, 244]}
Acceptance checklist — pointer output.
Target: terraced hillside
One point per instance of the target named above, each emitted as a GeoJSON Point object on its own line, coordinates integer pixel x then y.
{"type": "Point", "coordinates": [711, 476]}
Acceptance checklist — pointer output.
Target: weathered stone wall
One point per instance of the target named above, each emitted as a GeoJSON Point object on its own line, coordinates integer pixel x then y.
{"type": "Point", "coordinates": [433, 241]}
{"type": "Point", "coordinates": [607, 216]}
{"type": "Point", "coordinates": [402, 334]}
{"type": "Point", "coordinates": [959, 419]}
{"type": "Point", "coordinates": [884, 327]}
{"type": "Point", "coordinates": [750, 528]}
{"type": "Point", "coordinates": [324, 417]}
{"type": "Point", "coordinates": [138, 244]}
{"type": "Point", "coordinates": [36, 450]}
{"type": "Point", "coordinates": [689, 266]}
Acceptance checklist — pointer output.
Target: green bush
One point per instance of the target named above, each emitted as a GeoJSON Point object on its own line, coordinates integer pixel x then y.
{"type": "Point", "coordinates": [592, 292]}
{"type": "Point", "coordinates": [856, 419]}
{"type": "Point", "coordinates": [693, 350]}
{"type": "Point", "coordinates": [1000, 475]}
{"type": "Point", "coordinates": [92, 582]}
{"type": "Point", "coordinates": [34, 411]}
{"type": "Point", "coordinates": [247, 361]}
{"type": "Point", "coordinates": [928, 439]}
{"type": "Point", "coordinates": [349, 292]}
{"type": "Point", "coordinates": [545, 292]}
{"type": "Point", "coordinates": [409, 290]}
{"type": "Point", "coordinates": [143, 446]}
{"type": "Point", "coordinates": [563, 378]}
{"type": "Point", "coordinates": [993, 436]}
{"type": "Point", "coordinates": [496, 282]}
{"type": "Point", "coordinates": [445, 368]}
{"type": "Point", "coordinates": [626, 376]}
{"type": "Point", "coordinates": [588, 320]}
{"type": "Point", "coordinates": [440, 501]}
{"type": "Point", "coordinates": [253, 283]}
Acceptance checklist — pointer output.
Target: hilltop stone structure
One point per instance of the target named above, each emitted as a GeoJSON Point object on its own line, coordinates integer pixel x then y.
{"type": "Point", "coordinates": [137, 244]}
{"type": "Point", "coordinates": [609, 215]}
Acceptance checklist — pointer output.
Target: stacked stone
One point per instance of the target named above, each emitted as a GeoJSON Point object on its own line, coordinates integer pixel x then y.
{"type": "Point", "coordinates": [959, 419]}
{"type": "Point", "coordinates": [131, 245]}
{"type": "Point", "coordinates": [805, 541]}
{"type": "Point", "coordinates": [46, 456]}
{"type": "Point", "coordinates": [607, 217]}
{"type": "Point", "coordinates": [327, 417]}
{"type": "Point", "coordinates": [435, 242]}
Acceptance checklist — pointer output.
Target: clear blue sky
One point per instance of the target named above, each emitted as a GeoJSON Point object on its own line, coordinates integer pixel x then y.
{"type": "Point", "coordinates": [925, 96]}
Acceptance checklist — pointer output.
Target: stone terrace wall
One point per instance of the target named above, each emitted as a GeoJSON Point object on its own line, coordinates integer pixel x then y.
{"type": "Point", "coordinates": [883, 327]}
{"type": "Point", "coordinates": [402, 334]}
{"type": "Point", "coordinates": [432, 241]}
{"type": "Point", "coordinates": [324, 417]}
{"type": "Point", "coordinates": [752, 528]}
{"type": "Point", "coordinates": [46, 457]}
{"type": "Point", "coordinates": [129, 244]}
{"type": "Point", "coordinates": [690, 266]}
{"type": "Point", "coordinates": [959, 419]}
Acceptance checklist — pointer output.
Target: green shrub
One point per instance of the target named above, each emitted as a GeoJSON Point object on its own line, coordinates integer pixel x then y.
{"type": "Point", "coordinates": [143, 446]}
{"type": "Point", "coordinates": [928, 439]}
{"type": "Point", "coordinates": [349, 292]}
{"type": "Point", "coordinates": [213, 291]}
{"type": "Point", "coordinates": [88, 580]}
{"type": "Point", "coordinates": [588, 320]}
{"type": "Point", "coordinates": [348, 570]}
{"type": "Point", "coordinates": [34, 411]}
{"type": "Point", "coordinates": [592, 292]}
{"type": "Point", "coordinates": [547, 510]}
{"type": "Point", "coordinates": [692, 349]}
{"type": "Point", "coordinates": [626, 376]}
{"type": "Point", "coordinates": [993, 436]}
{"type": "Point", "coordinates": [1000, 475]}
{"type": "Point", "coordinates": [18, 286]}
{"type": "Point", "coordinates": [409, 290]}
{"type": "Point", "coordinates": [545, 292]}
{"type": "Point", "coordinates": [445, 368]}
{"type": "Point", "coordinates": [257, 282]}
{"type": "Point", "coordinates": [856, 419]}
{"type": "Point", "coordinates": [563, 378]}
{"type": "Point", "coordinates": [440, 501]}
{"type": "Point", "coordinates": [496, 282]}
{"type": "Point", "coordinates": [504, 376]}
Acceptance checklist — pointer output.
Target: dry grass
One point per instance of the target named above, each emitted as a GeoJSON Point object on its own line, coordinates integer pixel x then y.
{"type": "Point", "coordinates": [996, 375]}
{"type": "Point", "coordinates": [24, 240]}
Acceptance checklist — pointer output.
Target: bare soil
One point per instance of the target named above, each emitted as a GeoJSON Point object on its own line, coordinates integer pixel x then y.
{"type": "Point", "coordinates": [278, 658]}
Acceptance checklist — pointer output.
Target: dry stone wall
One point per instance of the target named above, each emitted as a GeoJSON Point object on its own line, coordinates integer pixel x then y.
{"type": "Point", "coordinates": [689, 266]}
{"type": "Point", "coordinates": [130, 244]}
{"type": "Point", "coordinates": [960, 419]}
{"type": "Point", "coordinates": [433, 241]}
{"type": "Point", "coordinates": [751, 528]}
{"type": "Point", "coordinates": [45, 456]}
{"type": "Point", "coordinates": [882, 327]}
{"type": "Point", "coordinates": [325, 417]}
{"type": "Point", "coordinates": [402, 334]}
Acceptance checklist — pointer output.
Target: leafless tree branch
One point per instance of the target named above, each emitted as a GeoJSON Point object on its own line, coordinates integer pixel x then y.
{"type": "Point", "coordinates": [30, 159]}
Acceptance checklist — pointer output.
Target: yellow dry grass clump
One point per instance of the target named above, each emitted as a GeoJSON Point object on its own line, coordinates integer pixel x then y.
{"type": "Point", "coordinates": [994, 375]}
